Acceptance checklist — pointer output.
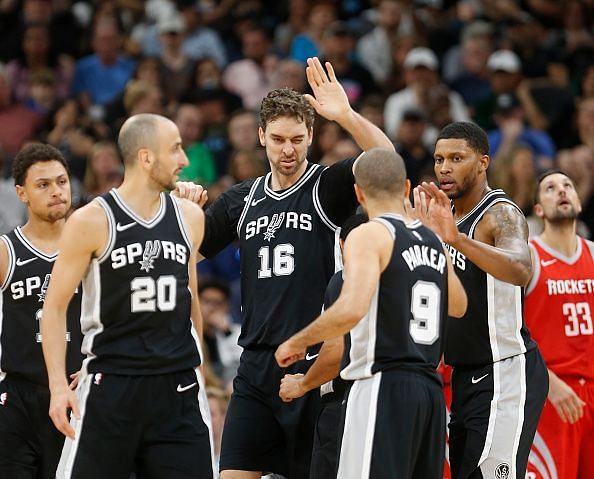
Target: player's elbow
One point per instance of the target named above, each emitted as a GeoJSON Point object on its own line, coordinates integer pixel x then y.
{"type": "Point", "coordinates": [521, 273]}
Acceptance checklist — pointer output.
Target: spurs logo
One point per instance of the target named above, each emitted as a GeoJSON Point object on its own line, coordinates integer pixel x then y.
{"type": "Point", "coordinates": [152, 249]}
{"type": "Point", "coordinates": [502, 471]}
{"type": "Point", "coordinates": [275, 223]}
{"type": "Point", "coordinates": [44, 286]}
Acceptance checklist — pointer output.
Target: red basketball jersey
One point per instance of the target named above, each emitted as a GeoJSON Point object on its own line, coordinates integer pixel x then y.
{"type": "Point", "coordinates": [558, 308]}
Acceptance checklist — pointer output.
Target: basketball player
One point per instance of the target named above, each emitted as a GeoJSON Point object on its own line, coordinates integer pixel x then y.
{"type": "Point", "coordinates": [394, 301]}
{"type": "Point", "coordinates": [140, 403]}
{"type": "Point", "coordinates": [30, 445]}
{"type": "Point", "coordinates": [286, 223]}
{"type": "Point", "coordinates": [324, 374]}
{"type": "Point", "coordinates": [499, 380]}
{"type": "Point", "coordinates": [559, 306]}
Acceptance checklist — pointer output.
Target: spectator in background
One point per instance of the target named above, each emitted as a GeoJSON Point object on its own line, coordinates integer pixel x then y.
{"type": "Point", "coordinates": [338, 44]}
{"type": "Point", "coordinates": [218, 401]}
{"type": "Point", "coordinates": [587, 82]}
{"type": "Point", "coordinates": [514, 173]}
{"type": "Point", "coordinates": [326, 135]}
{"type": "Point", "coordinates": [290, 74]}
{"type": "Point", "coordinates": [174, 64]}
{"type": "Point", "coordinates": [242, 128]}
{"type": "Point", "coordinates": [100, 77]}
{"type": "Point", "coordinates": [345, 147]}
{"type": "Point", "coordinates": [141, 96]}
{"type": "Point", "coordinates": [585, 123]}
{"type": "Point", "coordinates": [199, 40]}
{"type": "Point", "coordinates": [295, 24]}
{"type": "Point", "coordinates": [220, 332]}
{"type": "Point", "coordinates": [201, 168]}
{"type": "Point", "coordinates": [41, 97]}
{"type": "Point", "coordinates": [104, 170]}
{"type": "Point", "coordinates": [18, 123]}
{"type": "Point", "coordinates": [512, 130]}
{"type": "Point", "coordinates": [308, 44]}
{"type": "Point", "coordinates": [252, 77]}
{"type": "Point", "coordinates": [372, 108]}
{"type": "Point", "coordinates": [36, 54]}
{"type": "Point", "coordinates": [207, 80]}
{"type": "Point", "coordinates": [401, 46]}
{"type": "Point", "coordinates": [472, 79]}
{"type": "Point", "coordinates": [409, 144]}
{"type": "Point", "coordinates": [13, 212]}
{"type": "Point", "coordinates": [422, 79]}
{"type": "Point", "coordinates": [375, 48]}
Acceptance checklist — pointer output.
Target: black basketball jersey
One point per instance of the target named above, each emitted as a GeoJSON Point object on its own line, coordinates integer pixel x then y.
{"type": "Point", "coordinates": [21, 302]}
{"type": "Point", "coordinates": [136, 302]}
{"type": "Point", "coordinates": [288, 253]}
{"type": "Point", "coordinates": [404, 325]}
{"type": "Point", "coordinates": [493, 327]}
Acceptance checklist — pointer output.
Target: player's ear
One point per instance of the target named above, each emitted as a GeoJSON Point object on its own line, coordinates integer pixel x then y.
{"type": "Point", "coordinates": [21, 194]}
{"type": "Point", "coordinates": [406, 188]}
{"type": "Point", "coordinates": [484, 162]}
{"type": "Point", "coordinates": [360, 194]}
{"type": "Point", "coordinates": [538, 210]}
{"type": "Point", "coordinates": [262, 136]}
{"type": "Point", "coordinates": [310, 140]}
{"type": "Point", "coordinates": [145, 156]}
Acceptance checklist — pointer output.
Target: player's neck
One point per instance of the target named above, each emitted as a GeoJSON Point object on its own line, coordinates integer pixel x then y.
{"type": "Point", "coordinates": [378, 208]}
{"type": "Point", "coordinates": [282, 182]}
{"type": "Point", "coordinates": [44, 235]}
{"type": "Point", "coordinates": [464, 204]}
{"type": "Point", "coordinates": [561, 237]}
{"type": "Point", "coordinates": [142, 197]}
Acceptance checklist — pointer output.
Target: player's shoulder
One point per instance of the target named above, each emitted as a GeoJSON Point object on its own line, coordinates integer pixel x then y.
{"type": "Point", "coordinates": [239, 192]}
{"type": "Point", "coordinates": [590, 246]}
{"type": "Point", "coordinates": [504, 217]}
{"type": "Point", "coordinates": [190, 210]}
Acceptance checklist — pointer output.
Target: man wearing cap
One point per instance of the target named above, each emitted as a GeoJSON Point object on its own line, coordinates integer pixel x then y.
{"type": "Point", "coordinates": [421, 77]}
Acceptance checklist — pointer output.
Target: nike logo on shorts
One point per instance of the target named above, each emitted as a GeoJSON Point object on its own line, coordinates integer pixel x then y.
{"type": "Point", "coordinates": [181, 389]}
{"type": "Point", "coordinates": [478, 380]}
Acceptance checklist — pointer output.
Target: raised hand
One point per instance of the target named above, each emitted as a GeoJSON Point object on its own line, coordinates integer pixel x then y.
{"type": "Point", "coordinates": [191, 191]}
{"type": "Point", "coordinates": [433, 208]}
{"type": "Point", "coordinates": [329, 98]}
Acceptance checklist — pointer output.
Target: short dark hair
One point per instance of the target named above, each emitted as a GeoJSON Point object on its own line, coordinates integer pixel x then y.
{"type": "Point", "coordinates": [215, 283]}
{"type": "Point", "coordinates": [286, 102]}
{"type": "Point", "coordinates": [542, 177]}
{"type": "Point", "coordinates": [351, 223]}
{"type": "Point", "coordinates": [31, 154]}
{"type": "Point", "coordinates": [380, 172]}
{"type": "Point", "coordinates": [475, 136]}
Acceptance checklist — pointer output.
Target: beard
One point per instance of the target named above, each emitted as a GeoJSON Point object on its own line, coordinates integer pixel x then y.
{"type": "Point", "coordinates": [165, 180]}
{"type": "Point", "coordinates": [560, 216]}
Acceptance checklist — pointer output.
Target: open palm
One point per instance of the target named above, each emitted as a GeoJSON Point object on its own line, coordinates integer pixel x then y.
{"type": "Point", "coordinates": [329, 98]}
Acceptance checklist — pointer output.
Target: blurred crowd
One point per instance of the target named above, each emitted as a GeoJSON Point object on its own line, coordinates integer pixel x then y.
{"type": "Point", "coordinates": [72, 71]}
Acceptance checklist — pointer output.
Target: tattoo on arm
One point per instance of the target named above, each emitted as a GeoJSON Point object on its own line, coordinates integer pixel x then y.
{"type": "Point", "coordinates": [509, 230]}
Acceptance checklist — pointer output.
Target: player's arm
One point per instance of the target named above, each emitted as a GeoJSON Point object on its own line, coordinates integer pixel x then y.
{"type": "Point", "coordinates": [325, 368]}
{"type": "Point", "coordinates": [457, 299]}
{"type": "Point", "coordinates": [84, 236]}
{"type": "Point", "coordinates": [193, 217]}
{"type": "Point", "coordinates": [500, 247]}
{"type": "Point", "coordinates": [331, 102]}
{"type": "Point", "coordinates": [4, 261]}
{"type": "Point", "coordinates": [366, 254]}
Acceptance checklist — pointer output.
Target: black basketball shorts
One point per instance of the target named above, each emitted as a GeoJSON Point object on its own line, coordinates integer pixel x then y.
{"type": "Point", "coordinates": [495, 411]}
{"type": "Point", "coordinates": [158, 426]}
{"type": "Point", "coordinates": [30, 445]}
